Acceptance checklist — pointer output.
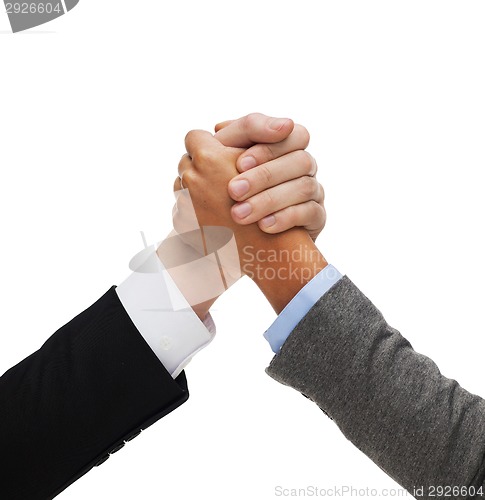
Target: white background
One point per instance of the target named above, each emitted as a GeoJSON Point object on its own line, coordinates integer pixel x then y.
{"type": "Point", "coordinates": [94, 109]}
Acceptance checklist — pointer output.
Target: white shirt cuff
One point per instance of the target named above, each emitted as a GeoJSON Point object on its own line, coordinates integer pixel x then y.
{"type": "Point", "coordinates": [163, 316]}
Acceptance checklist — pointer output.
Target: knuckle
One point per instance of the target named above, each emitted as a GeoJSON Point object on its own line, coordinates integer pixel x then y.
{"type": "Point", "coordinates": [305, 159]}
{"type": "Point", "coordinates": [265, 175]}
{"type": "Point", "coordinates": [252, 120]}
{"type": "Point", "coordinates": [290, 216]}
{"type": "Point", "coordinates": [314, 220]}
{"type": "Point", "coordinates": [321, 193]}
{"type": "Point", "coordinates": [203, 156]}
{"type": "Point", "coordinates": [189, 135]}
{"type": "Point", "coordinates": [316, 216]}
{"type": "Point", "coordinates": [316, 210]}
{"type": "Point", "coordinates": [308, 187]}
{"type": "Point", "coordinates": [189, 178]}
{"type": "Point", "coordinates": [268, 200]}
{"type": "Point", "coordinates": [315, 166]}
{"type": "Point", "coordinates": [302, 135]}
{"type": "Point", "coordinates": [181, 164]}
{"type": "Point", "coordinates": [264, 153]}
{"type": "Point", "coordinates": [316, 224]}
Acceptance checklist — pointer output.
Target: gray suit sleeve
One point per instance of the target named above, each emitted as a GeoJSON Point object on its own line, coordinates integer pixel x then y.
{"type": "Point", "coordinates": [391, 402]}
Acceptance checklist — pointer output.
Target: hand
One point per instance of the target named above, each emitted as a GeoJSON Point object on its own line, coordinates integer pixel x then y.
{"type": "Point", "coordinates": [281, 186]}
{"type": "Point", "coordinates": [276, 186]}
{"type": "Point", "coordinates": [201, 260]}
{"type": "Point", "coordinates": [206, 171]}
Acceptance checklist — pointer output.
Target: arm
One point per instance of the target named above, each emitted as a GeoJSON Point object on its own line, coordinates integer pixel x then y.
{"type": "Point", "coordinates": [393, 403]}
{"type": "Point", "coordinates": [390, 401]}
{"type": "Point", "coordinates": [92, 386]}
{"type": "Point", "coordinates": [104, 376]}
{"type": "Point", "coordinates": [274, 267]}
{"type": "Point", "coordinates": [278, 184]}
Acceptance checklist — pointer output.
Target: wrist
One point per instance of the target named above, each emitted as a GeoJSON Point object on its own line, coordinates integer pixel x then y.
{"type": "Point", "coordinates": [198, 276]}
{"type": "Point", "coordinates": [281, 265]}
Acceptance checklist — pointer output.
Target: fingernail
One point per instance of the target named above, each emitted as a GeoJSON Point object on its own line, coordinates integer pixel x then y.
{"type": "Point", "coordinates": [247, 162]}
{"type": "Point", "coordinates": [242, 210]}
{"type": "Point", "coordinates": [239, 187]}
{"type": "Point", "coordinates": [277, 123]}
{"type": "Point", "coordinates": [268, 221]}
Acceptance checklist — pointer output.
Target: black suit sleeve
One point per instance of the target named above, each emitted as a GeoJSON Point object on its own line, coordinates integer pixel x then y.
{"type": "Point", "coordinates": [92, 386]}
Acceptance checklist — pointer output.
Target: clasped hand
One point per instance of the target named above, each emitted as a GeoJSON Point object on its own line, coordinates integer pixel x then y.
{"type": "Point", "coordinates": [253, 170]}
{"type": "Point", "coordinates": [254, 177]}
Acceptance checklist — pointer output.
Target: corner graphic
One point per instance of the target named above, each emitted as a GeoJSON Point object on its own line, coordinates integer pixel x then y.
{"type": "Point", "coordinates": [26, 15]}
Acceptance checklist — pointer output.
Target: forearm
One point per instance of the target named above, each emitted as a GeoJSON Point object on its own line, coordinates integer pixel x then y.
{"type": "Point", "coordinates": [199, 276]}
{"type": "Point", "coordinates": [281, 265]}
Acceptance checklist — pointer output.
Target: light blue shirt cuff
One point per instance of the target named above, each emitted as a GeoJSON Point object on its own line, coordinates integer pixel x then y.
{"type": "Point", "coordinates": [297, 309]}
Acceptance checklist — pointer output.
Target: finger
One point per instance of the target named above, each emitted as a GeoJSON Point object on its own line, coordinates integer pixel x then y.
{"type": "Point", "coordinates": [310, 215]}
{"type": "Point", "coordinates": [222, 125]}
{"type": "Point", "coordinates": [276, 198]}
{"type": "Point", "coordinates": [262, 153]}
{"type": "Point", "coordinates": [253, 129]}
{"type": "Point", "coordinates": [202, 147]}
{"type": "Point", "coordinates": [258, 179]}
{"type": "Point", "coordinates": [185, 164]}
{"type": "Point", "coordinates": [177, 186]}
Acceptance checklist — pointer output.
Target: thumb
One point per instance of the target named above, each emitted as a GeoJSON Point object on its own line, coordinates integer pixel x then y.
{"type": "Point", "coordinates": [202, 145]}
{"type": "Point", "coordinates": [222, 125]}
{"type": "Point", "coordinates": [254, 128]}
